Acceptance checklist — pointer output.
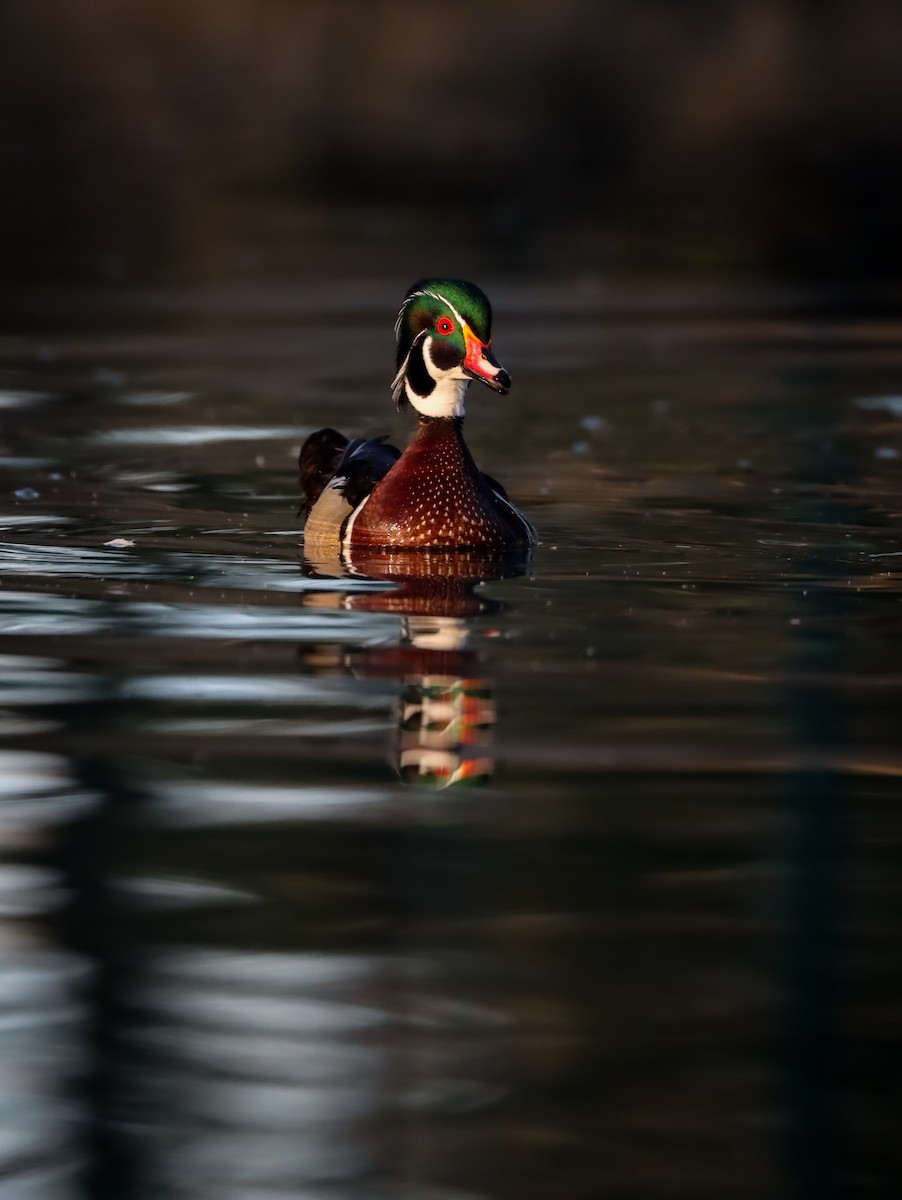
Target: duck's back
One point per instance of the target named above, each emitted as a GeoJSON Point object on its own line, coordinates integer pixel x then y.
{"type": "Point", "coordinates": [336, 476]}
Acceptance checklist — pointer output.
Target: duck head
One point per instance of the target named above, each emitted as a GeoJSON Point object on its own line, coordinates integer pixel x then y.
{"type": "Point", "coordinates": [444, 332]}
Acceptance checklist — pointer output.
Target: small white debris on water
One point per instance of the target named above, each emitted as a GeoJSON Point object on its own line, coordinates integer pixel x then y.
{"type": "Point", "coordinates": [886, 452]}
{"type": "Point", "coordinates": [890, 404]}
{"type": "Point", "coordinates": [594, 424]}
{"type": "Point", "coordinates": [120, 544]}
{"type": "Point", "coordinates": [26, 493]}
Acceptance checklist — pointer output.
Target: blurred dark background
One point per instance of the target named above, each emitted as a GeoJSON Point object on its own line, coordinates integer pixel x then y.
{"type": "Point", "coordinates": [167, 138]}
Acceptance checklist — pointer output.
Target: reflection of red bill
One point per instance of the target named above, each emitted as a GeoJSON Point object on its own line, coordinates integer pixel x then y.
{"type": "Point", "coordinates": [475, 770]}
{"type": "Point", "coordinates": [443, 768]}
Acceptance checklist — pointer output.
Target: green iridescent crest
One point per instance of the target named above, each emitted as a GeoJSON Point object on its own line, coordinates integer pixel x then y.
{"type": "Point", "coordinates": [431, 301]}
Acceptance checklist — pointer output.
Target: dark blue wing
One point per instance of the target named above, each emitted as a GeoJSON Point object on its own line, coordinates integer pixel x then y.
{"type": "Point", "coordinates": [363, 463]}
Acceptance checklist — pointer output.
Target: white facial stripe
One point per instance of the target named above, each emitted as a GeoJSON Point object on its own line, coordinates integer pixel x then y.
{"type": "Point", "coordinates": [410, 299]}
{"type": "Point", "coordinates": [447, 397]}
{"type": "Point", "coordinates": [433, 370]}
{"type": "Point", "coordinates": [399, 379]}
{"type": "Point", "coordinates": [397, 384]}
{"type": "Point", "coordinates": [435, 296]}
{"type": "Point", "coordinates": [403, 310]}
{"type": "Point", "coordinates": [484, 365]}
{"type": "Point", "coordinates": [437, 372]}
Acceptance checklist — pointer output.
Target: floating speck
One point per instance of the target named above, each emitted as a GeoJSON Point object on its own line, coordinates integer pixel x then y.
{"type": "Point", "coordinates": [886, 452]}
{"type": "Point", "coordinates": [594, 424]}
{"type": "Point", "coordinates": [580, 447]}
{"type": "Point", "coordinates": [26, 493]}
{"type": "Point", "coordinates": [120, 543]}
{"type": "Point", "coordinates": [890, 404]}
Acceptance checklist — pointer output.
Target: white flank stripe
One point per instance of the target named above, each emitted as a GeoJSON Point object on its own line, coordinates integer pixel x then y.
{"type": "Point", "coordinates": [346, 540]}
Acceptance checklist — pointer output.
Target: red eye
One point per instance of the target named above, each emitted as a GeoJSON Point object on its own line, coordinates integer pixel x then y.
{"type": "Point", "coordinates": [445, 326]}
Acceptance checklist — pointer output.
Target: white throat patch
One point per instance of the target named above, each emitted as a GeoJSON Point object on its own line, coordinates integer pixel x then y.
{"type": "Point", "coordinates": [445, 400]}
{"type": "Point", "coordinates": [447, 397]}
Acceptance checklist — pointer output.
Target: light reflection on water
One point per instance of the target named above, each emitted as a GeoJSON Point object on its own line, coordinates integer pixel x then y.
{"type": "Point", "coordinates": [190, 435]}
{"type": "Point", "coordinates": [578, 883]}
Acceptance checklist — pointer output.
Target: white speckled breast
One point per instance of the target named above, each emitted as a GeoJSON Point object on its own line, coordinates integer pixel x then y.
{"type": "Point", "coordinates": [434, 496]}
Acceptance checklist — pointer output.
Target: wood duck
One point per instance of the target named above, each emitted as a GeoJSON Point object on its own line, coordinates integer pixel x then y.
{"type": "Point", "coordinates": [364, 493]}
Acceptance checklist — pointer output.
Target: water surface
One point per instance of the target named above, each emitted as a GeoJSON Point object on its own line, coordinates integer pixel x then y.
{"type": "Point", "coordinates": [578, 882]}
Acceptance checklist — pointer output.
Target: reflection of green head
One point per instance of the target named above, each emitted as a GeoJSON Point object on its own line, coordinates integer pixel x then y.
{"type": "Point", "coordinates": [445, 726]}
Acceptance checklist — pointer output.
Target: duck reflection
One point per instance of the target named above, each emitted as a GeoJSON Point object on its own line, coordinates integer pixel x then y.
{"type": "Point", "coordinates": [445, 714]}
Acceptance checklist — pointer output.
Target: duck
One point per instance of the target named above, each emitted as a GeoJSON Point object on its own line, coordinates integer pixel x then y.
{"type": "Point", "coordinates": [365, 493]}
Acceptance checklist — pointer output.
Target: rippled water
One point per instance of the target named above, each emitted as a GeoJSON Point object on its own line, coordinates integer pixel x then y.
{"type": "Point", "coordinates": [579, 882]}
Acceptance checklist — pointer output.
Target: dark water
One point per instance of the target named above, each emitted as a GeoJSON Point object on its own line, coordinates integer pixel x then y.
{"type": "Point", "coordinates": [582, 882]}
